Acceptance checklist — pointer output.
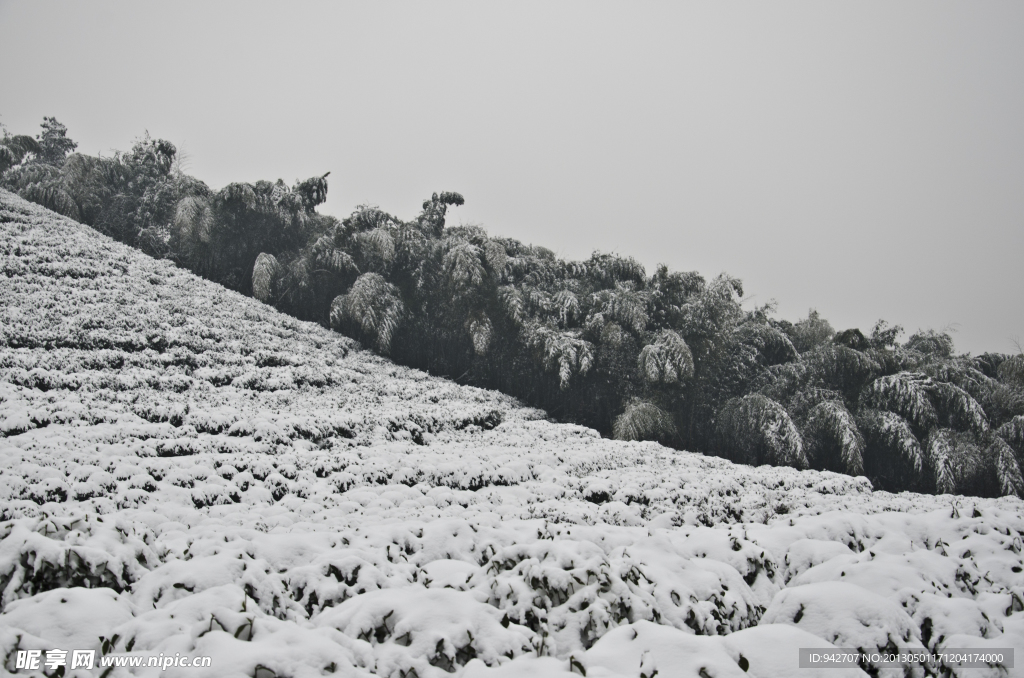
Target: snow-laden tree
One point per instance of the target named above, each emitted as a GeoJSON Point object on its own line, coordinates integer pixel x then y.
{"type": "Point", "coordinates": [893, 458]}
{"type": "Point", "coordinates": [852, 338]}
{"type": "Point", "coordinates": [931, 343]}
{"type": "Point", "coordinates": [50, 192]}
{"type": "Point", "coordinates": [1009, 479]}
{"type": "Point", "coordinates": [376, 249]}
{"type": "Point", "coordinates": [329, 256]}
{"type": "Point", "coordinates": [463, 265]}
{"type": "Point", "coordinates": [832, 440]}
{"type": "Point", "coordinates": [496, 257]}
{"type": "Point", "coordinates": [74, 185]}
{"type": "Point", "coordinates": [666, 360]}
{"type": "Point", "coordinates": [963, 463]}
{"type": "Point", "coordinates": [1013, 433]}
{"type": "Point", "coordinates": [950, 459]}
{"type": "Point", "coordinates": [563, 352]}
{"type": "Point", "coordinates": [193, 231]}
{"type": "Point", "coordinates": [1011, 371]}
{"type": "Point", "coordinates": [511, 302]}
{"type": "Point", "coordinates": [623, 304]}
{"type": "Point", "coordinates": [13, 150]}
{"type": "Point", "coordinates": [958, 409]}
{"type": "Point", "coordinates": [264, 272]}
{"type": "Point", "coordinates": [239, 193]}
{"type": "Point", "coordinates": [906, 394]}
{"type": "Point", "coordinates": [772, 345]}
{"type": "Point", "coordinates": [432, 219]}
{"type": "Point", "coordinates": [757, 430]}
{"type": "Point", "coordinates": [840, 368]}
{"type": "Point", "coordinates": [999, 402]}
{"type": "Point", "coordinates": [481, 331]}
{"type": "Point", "coordinates": [811, 332]}
{"type": "Point", "coordinates": [312, 191]}
{"type": "Point", "coordinates": [54, 143]}
{"type": "Point", "coordinates": [607, 270]}
{"type": "Point", "coordinates": [643, 420]}
{"type": "Point", "coordinates": [566, 303]}
{"type": "Point", "coordinates": [581, 339]}
{"type": "Point", "coordinates": [373, 306]}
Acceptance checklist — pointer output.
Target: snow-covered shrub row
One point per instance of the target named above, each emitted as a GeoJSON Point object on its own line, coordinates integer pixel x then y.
{"type": "Point", "coordinates": [92, 330]}
{"type": "Point", "coordinates": [382, 522]}
{"type": "Point", "coordinates": [473, 577]}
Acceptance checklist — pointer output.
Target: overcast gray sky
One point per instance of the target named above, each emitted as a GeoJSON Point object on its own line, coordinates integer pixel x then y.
{"type": "Point", "coordinates": [862, 158]}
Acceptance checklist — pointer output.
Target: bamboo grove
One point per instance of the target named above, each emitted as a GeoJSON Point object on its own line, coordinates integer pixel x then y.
{"type": "Point", "coordinates": [669, 356]}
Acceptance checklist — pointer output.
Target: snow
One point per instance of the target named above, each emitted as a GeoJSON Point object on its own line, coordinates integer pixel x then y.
{"type": "Point", "coordinates": [845, 614]}
{"type": "Point", "coordinates": [185, 470]}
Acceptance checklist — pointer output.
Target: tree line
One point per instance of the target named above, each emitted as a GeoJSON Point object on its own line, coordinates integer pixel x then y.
{"type": "Point", "coordinates": [668, 356]}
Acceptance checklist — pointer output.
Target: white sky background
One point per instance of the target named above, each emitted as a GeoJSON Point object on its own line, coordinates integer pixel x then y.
{"type": "Point", "coordinates": [862, 158]}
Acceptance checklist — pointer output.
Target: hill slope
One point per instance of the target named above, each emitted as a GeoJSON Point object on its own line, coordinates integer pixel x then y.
{"type": "Point", "coordinates": [185, 470]}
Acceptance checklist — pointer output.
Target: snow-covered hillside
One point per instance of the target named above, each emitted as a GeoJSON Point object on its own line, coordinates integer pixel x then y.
{"type": "Point", "coordinates": [185, 470]}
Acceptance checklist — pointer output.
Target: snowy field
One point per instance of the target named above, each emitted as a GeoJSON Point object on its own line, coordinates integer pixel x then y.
{"type": "Point", "coordinates": [185, 470]}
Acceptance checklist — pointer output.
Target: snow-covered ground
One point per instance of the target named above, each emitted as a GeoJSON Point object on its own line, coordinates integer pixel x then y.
{"type": "Point", "coordinates": [185, 470]}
